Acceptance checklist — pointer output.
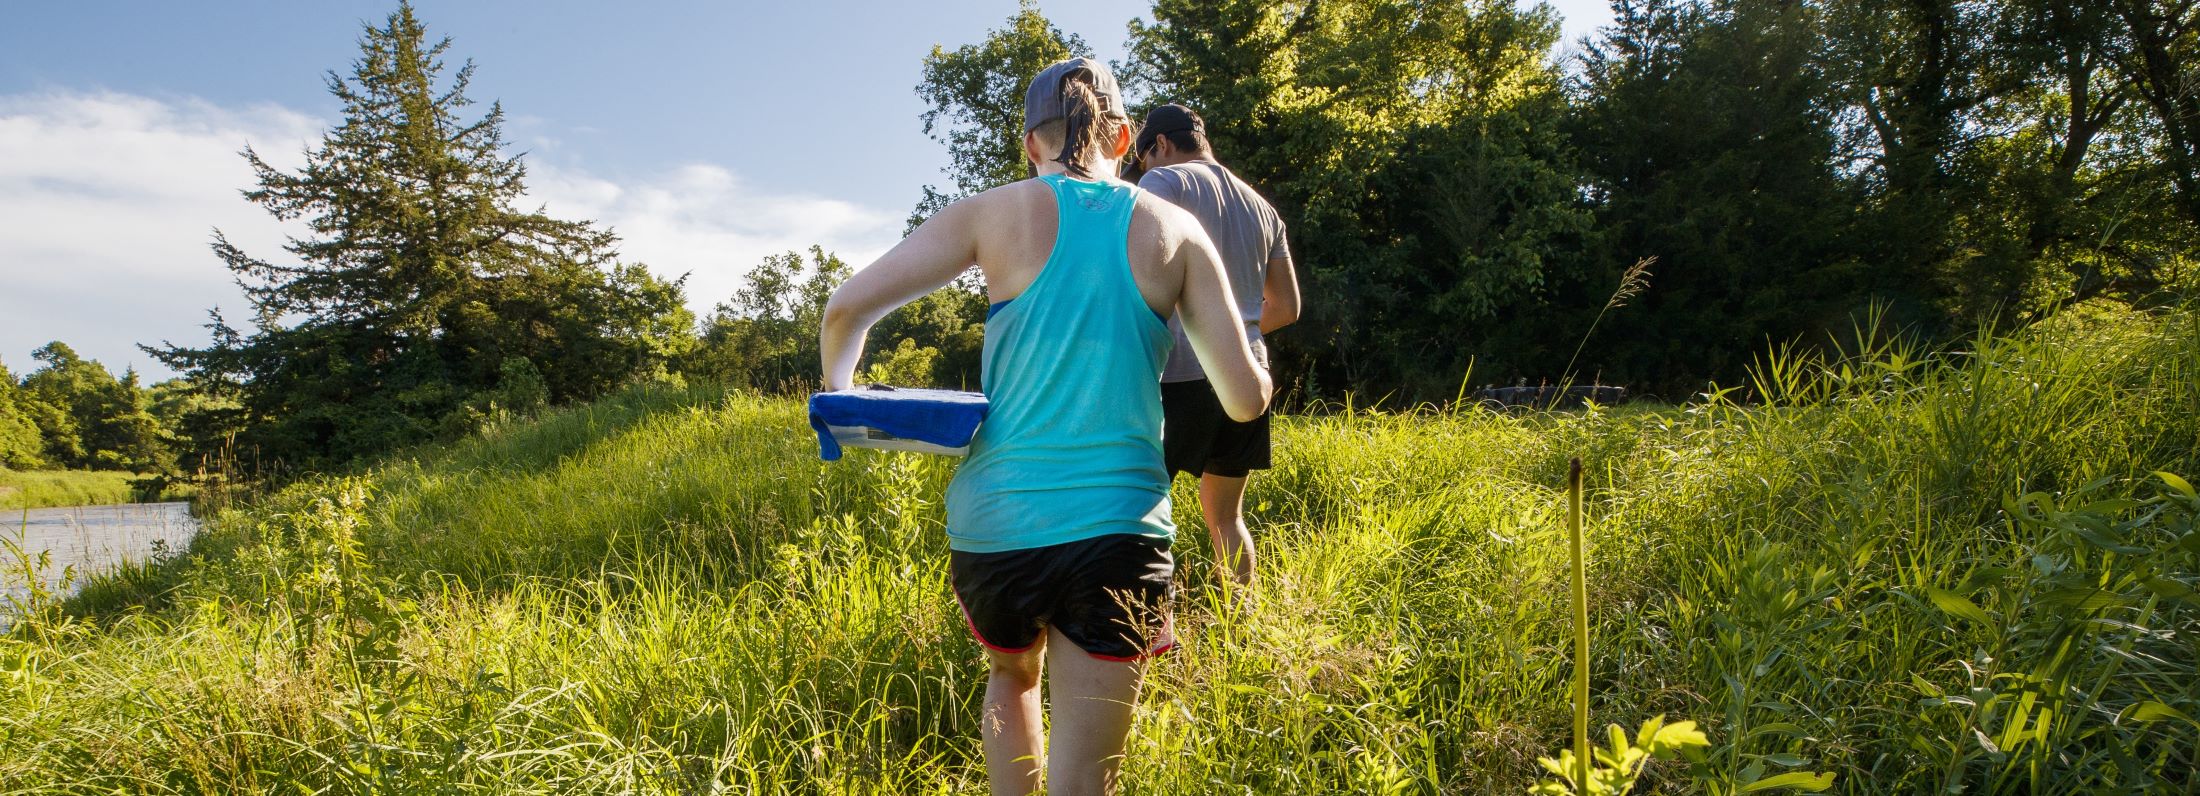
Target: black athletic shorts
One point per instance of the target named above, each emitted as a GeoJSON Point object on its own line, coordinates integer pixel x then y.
{"type": "Point", "coordinates": [1109, 595]}
{"type": "Point", "coordinates": [1198, 437]}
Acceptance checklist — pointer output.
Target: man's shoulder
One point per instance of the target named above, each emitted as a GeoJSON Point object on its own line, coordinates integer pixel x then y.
{"type": "Point", "coordinates": [1162, 178]}
{"type": "Point", "coordinates": [1196, 171]}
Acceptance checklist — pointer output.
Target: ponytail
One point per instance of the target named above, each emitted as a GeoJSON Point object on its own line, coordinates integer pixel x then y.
{"type": "Point", "coordinates": [1086, 117]}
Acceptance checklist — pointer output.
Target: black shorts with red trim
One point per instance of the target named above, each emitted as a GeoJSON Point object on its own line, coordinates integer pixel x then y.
{"type": "Point", "coordinates": [1109, 595]}
{"type": "Point", "coordinates": [1198, 436]}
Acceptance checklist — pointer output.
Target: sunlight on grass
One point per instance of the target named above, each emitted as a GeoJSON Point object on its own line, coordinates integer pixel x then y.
{"type": "Point", "coordinates": [1913, 573]}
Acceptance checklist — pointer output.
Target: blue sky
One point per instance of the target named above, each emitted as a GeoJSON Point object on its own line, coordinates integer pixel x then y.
{"type": "Point", "coordinates": [707, 134]}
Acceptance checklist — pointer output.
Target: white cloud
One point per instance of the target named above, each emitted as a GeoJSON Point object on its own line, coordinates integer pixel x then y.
{"type": "Point", "coordinates": [703, 221]}
{"type": "Point", "coordinates": [107, 202]}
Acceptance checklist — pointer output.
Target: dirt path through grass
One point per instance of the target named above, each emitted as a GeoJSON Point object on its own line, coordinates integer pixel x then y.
{"type": "Point", "coordinates": [91, 538]}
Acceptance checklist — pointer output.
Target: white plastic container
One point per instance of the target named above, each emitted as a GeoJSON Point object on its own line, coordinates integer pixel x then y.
{"type": "Point", "coordinates": [867, 437]}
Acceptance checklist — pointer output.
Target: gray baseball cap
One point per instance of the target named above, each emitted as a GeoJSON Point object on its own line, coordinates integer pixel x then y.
{"type": "Point", "coordinates": [1043, 100]}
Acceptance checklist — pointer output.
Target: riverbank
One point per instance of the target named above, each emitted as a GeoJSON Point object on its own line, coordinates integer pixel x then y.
{"type": "Point", "coordinates": [40, 489]}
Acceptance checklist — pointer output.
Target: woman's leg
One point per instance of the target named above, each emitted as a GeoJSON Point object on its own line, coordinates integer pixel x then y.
{"type": "Point", "coordinates": [1091, 705]}
{"type": "Point", "coordinates": [1015, 738]}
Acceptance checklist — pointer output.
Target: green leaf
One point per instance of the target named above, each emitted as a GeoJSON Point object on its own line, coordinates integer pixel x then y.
{"type": "Point", "coordinates": [1785, 760]}
{"type": "Point", "coordinates": [1805, 781]}
{"type": "Point", "coordinates": [2175, 482]}
{"type": "Point", "coordinates": [2084, 599]}
{"type": "Point", "coordinates": [2156, 711]}
{"type": "Point", "coordinates": [1785, 728]}
{"type": "Point", "coordinates": [2095, 537]}
{"type": "Point", "coordinates": [1958, 606]}
{"type": "Point", "coordinates": [1678, 736]}
{"type": "Point", "coordinates": [2165, 587]}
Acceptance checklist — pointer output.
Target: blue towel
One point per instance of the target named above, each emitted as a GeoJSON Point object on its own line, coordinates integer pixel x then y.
{"type": "Point", "coordinates": [947, 418]}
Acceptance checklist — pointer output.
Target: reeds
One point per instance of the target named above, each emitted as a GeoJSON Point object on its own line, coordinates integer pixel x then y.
{"type": "Point", "coordinates": [1632, 282]}
{"type": "Point", "coordinates": [666, 593]}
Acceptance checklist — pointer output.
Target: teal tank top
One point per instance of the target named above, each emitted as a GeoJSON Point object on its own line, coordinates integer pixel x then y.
{"type": "Point", "coordinates": [1071, 447]}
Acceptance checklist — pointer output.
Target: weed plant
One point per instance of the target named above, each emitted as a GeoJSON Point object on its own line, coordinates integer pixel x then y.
{"type": "Point", "coordinates": [1918, 573]}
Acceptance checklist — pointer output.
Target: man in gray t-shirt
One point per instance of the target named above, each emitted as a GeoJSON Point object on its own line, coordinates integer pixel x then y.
{"type": "Point", "coordinates": [1197, 436]}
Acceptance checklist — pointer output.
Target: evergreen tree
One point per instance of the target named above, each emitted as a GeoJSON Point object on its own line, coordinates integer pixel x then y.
{"type": "Point", "coordinates": [1710, 146]}
{"type": "Point", "coordinates": [397, 319]}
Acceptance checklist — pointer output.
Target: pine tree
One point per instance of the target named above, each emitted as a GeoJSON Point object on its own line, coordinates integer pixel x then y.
{"type": "Point", "coordinates": [421, 284]}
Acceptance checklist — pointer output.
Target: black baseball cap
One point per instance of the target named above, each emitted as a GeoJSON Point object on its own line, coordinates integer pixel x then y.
{"type": "Point", "coordinates": [1166, 119]}
{"type": "Point", "coordinates": [1043, 99]}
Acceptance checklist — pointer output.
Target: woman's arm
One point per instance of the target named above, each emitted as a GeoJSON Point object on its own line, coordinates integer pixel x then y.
{"type": "Point", "coordinates": [940, 249]}
{"type": "Point", "coordinates": [1216, 330]}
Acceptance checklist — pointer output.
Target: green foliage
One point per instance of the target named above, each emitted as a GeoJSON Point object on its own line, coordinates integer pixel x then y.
{"type": "Point", "coordinates": [2080, 635]}
{"type": "Point", "coordinates": [393, 322]}
{"type": "Point", "coordinates": [949, 321]}
{"type": "Point", "coordinates": [906, 364]}
{"type": "Point", "coordinates": [21, 444]}
{"type": "Point", "coordinates": [1791, 166]}
{"type": "Point", "coordinates": [767, 336]}
{"type": "Point", "coordinates": [85, 417]}
{"type": "Point", "coordinates": [1416, 151]}
{"type": "Point", "coordinates": [666, 592]}
{"type": "Point", "coordinates": [974, 103]}
{"type": "Point", "coordinates": [1705, 137]}
{"type": "Point", "coordinates": [1618, 767]}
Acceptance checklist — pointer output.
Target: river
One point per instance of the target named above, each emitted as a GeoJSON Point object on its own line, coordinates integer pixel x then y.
{"type": "Point", "coordinates": [89, 538]}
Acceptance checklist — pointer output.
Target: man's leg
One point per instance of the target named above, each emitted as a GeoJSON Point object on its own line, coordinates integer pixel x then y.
{"type": "Point", "coordinates": [1222, 500]}
{"type": "Point", "coordinates": [1091, 701]}
{"type": "Point", "coordinates": [1015, 739]}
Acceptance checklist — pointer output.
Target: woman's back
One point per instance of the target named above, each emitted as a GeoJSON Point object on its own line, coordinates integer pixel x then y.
{"type": "Point", "coordinates": [1016, 235]}
{"type": "Point", "coordinates": [1071, 447]}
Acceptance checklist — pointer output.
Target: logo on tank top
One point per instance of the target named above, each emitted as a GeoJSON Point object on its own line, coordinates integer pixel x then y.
{"type": "Point", "coordinates": [1095, 204]}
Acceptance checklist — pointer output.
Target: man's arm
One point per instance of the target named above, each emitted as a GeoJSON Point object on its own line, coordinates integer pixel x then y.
{"type": "Point", "coordinates": [1279, 296]}
{"type": "Point", "coordinates": [1212, 324]}
{"type": "Point", "coordinates": [939, 250]}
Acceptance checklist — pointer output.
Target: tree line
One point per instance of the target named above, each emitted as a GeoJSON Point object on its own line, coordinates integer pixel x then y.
{"type": "Point", "coordinates": [1458, 199]}
{"type": "Point", "coordinates": [73, 413]}
{"type": "Point", "coordinates": [1462, 205]}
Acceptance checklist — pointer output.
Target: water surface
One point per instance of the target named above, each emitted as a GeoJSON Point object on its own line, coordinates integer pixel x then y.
{"type": "Point", "coordinates": [89, 538]}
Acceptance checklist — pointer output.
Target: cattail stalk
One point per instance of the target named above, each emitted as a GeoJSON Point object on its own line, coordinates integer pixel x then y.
{"type": "Point", "coordinates": [1581, 627]}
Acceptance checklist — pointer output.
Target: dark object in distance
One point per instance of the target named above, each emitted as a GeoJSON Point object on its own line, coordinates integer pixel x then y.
{"type": "Point", "coordinates": [1548, 396]}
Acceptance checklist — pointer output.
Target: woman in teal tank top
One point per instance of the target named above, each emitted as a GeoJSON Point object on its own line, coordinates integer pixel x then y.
{"type": "Point", "coordinates": [1058, 522]}
{"type": "Point", "coordinates": [1071, 448]}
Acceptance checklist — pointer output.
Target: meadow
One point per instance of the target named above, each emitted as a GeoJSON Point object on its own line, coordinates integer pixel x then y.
{"type": "Point", "coordinates": [1969, 571]}
{"type": "Point", "coordinates": [37, 489]}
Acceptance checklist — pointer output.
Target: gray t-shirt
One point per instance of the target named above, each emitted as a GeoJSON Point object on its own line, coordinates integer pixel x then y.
{"type": "Point", "coordinates": [1245, 230]}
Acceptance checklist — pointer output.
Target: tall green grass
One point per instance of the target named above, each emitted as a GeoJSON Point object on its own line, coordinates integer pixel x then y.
{"type": "Point", "coordinates": [1915, 573]}
{"type": "Point", "coordinates": [39, 489]}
